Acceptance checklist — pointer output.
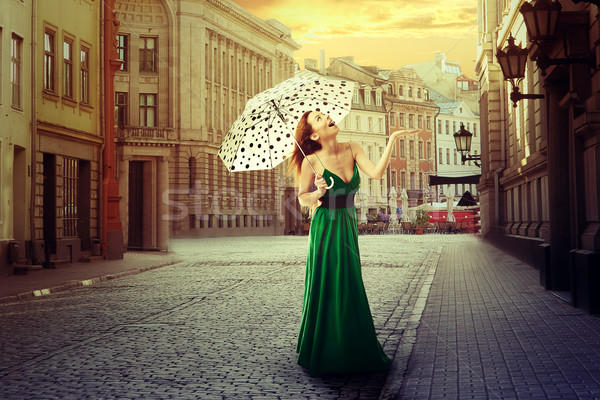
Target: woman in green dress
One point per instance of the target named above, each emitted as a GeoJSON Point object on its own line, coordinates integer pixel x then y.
{"type": "Point", "coordinates": [337, 334]}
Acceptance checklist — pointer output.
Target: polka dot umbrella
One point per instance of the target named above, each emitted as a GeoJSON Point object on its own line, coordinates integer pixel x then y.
{"type": "Point", "coordinates": [263, 135]}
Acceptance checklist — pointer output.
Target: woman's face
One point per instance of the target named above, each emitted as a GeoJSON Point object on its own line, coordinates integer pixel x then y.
{"type": "Point", "coordinates": [322, 125]}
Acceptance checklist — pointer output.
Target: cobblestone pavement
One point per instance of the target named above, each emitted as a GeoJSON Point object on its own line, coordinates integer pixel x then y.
{"type": "Point", "coordinates": [222, 324]}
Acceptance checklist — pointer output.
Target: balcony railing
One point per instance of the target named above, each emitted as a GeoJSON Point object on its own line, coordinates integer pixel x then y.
{"type": "Point", "coordinates": [145, 132]}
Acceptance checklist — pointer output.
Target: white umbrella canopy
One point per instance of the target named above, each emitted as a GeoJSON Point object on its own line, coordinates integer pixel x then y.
{"type": "Point", "coordinates": [263, 135]}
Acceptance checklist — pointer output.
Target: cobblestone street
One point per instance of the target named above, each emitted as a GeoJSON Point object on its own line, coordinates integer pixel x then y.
{"type": "Point", "coordinates": [221, 324]}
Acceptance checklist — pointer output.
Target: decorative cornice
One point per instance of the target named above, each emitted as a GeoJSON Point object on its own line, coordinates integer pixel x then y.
{"type": "Point", "coordinates": [225, 8]}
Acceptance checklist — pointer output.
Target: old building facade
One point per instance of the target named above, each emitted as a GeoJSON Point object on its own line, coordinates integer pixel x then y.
{"type": "Point", "coordinates": [539, 187]}
{"type": "Point", "coordinates": [185, 79]}
{"type": "Point", "coordinates": [67, 135]}
{"type": "Point", "coordinates": [413, 158]}
{"type": "Point", "coordinates": [15, 131]}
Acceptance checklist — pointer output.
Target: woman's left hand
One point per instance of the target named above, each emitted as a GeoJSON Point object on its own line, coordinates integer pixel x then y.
{"type": "Point", "coordinates": [395, 135]}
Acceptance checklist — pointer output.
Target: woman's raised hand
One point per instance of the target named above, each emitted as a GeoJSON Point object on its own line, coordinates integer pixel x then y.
{"type": "Point", "coordinates": [395, 135]}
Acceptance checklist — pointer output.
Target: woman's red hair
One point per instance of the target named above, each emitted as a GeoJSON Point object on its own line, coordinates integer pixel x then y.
{"type": "Point", "coordinates": [309, 146]}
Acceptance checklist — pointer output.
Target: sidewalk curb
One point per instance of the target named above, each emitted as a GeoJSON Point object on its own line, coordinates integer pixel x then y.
{"type": "Point", "coordinates": [75, 284]}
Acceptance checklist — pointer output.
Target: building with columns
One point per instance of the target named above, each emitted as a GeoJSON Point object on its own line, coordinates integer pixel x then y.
{"type": "Point", "coordinates": [539, 188]}
{"type": "Point", "coordinates": [188, 69]}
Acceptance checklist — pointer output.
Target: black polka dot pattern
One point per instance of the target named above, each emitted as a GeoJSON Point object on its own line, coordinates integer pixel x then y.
{"type": "Point", "coordinates": [262, 136]}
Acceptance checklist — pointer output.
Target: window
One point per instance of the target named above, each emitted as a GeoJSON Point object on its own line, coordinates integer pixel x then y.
{"type": "Point", "coordinates": [440, 156]}
{"type": "Point", "coordinates": [419, 93]}
{"type": "Point", "coordinates": [355, 98]}
{"type": "Point", "coordinates": [455, 157]}
{"type": "Point", "coordinates": [358, 122]}
{"type": "Point", "coordinates": [447, 156]}
{"type": "Point", "coordinates": [147, 109]}
{"type": "Point", "coordinates": [411, 149]}
{"type": "Point", "coordinates": [439, 127]}
{"type": "Point", "coordinates": [148, 56]}
{"type": "Point", "coordinates": [447, 127]}
{"type": "Point", "coordinates": [380, 127]}
{"type": "Point", "coordinates": [378, 99]}
{"type": "Point", "coordinates": [420, 150]}
{"type": "Point", "coordinates": [420, 121]}
{"type": "Point", "coordinates": [390, 89]}
{"type": "Point", "coordinates": [403, 179]}
{"type": "Point", "coordinates": [368, 97]}
{"type": "Point", "coordinates": [410, 92]}
{"type": "Point", "coordinates": [400, 90]}
{"type": "Point", "coordinates": [122, 41]}
{"type": "Point", "coordinates": [192, 174]}
{"type": "Point", "coordinates": [453, 126]}
{"type": "Point", "coordinates": [402, 151]}
{"type": "Point", "coordinates": [411, 122]}
{"type": "Point", "coordinates": [49, 61]}
{"type": "Point", "coordinates": [16, 45]}
{"type": "Point", "coordinates": [428, 123]}
{"type": "Point", "coordinates": [68, 68]}
{"type": "Point", "coordinates": [370, 124]}
{"type": "Point", "coordinates": [429, 150]}
{"type": "Point", "coordinates": [70, 184]}
{"type": "Point", "coordinates": [412, 181]}
{"type": "Point", "coordinates": [401, 121]}
{"type": "Point", "coordinates": [474, 129]}
{"type": "Point", "coordinates": [84, 75]}
{"type": "Point", "coordinates": [392, 119]}
{"type": "Point", "coordinates": [121, 109]}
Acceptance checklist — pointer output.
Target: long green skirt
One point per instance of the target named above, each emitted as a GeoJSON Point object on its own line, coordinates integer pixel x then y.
{"type": "Point", "coordinates": [337, 334]}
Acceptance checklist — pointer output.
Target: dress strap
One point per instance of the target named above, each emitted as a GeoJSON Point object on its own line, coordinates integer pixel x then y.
{"type": "Point", "coordinates": [320, 160]}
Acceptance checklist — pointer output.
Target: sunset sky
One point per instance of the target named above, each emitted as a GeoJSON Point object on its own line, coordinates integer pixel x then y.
{"type": "Point", "coordinates": [386, 33]}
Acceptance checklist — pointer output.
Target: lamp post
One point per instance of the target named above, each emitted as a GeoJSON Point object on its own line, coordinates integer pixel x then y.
{"type": "Point", "coordinates": [463, 138]}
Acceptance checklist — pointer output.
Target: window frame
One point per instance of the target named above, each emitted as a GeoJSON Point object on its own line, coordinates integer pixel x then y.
{"type": "Point", "coordinates": [49, 80]}
{"type": "Point", "coordinates": [143, 108]}
{"type": "Point", "coordinates": [68, 89]}
{"type": "Point", "coordinates": [123, 51]}
{"type": "Point", "coordinates": [16, 68]}
{"type": "Point", "coordinates": [84, 75]}
{"type": "Point", "coordinates": [143, 55]}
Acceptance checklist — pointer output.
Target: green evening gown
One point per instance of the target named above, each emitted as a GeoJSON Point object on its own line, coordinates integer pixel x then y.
{"type": "Point", "coordinates": [337, 334]}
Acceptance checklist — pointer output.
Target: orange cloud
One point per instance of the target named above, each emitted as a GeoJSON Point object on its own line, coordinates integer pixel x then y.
{"type": "Point", "coordinates": [443, 26]}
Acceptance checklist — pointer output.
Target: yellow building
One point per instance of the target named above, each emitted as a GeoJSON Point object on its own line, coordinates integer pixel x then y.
{"type": "Point", "coordinates": [188, 69]}
{"type": "Point", "coordinates": [15, 132]}
{"type": "Point", "coordinates": [67, 129]}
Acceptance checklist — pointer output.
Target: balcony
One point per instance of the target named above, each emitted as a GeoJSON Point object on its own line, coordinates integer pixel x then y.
{"type": "Point", "coordinates": [145, 134]}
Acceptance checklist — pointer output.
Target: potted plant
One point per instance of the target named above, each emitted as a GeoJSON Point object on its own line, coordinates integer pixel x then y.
{"type": "Point", "coordinates": [421, 221]}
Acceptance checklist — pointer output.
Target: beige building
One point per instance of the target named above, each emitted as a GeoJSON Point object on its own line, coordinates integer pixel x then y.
{"type": "Point", "coordinates": [15, 130]}
{"type": "Point", "coordinates": [189, 68]}
{"type": "Point", "coordinates": [539, 188]}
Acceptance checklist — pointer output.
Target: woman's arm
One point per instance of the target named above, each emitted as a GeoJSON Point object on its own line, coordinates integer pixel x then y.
{"type": "Point", "coordinates": [306, 196]}
{"type": "Point", "coordinates": [376, 171]}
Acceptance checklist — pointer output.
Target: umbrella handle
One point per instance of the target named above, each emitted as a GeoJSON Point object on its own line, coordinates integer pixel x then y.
{"type": "Point", "coordinates": [330, 186]}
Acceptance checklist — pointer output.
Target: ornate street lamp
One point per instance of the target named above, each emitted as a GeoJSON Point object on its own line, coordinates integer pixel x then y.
{"type": "Point", "coordinates": [541, 19]}
{"type": "Point", "coordinates": [512, 60]}
{"type": "Point", "coordinates": [463, 144]}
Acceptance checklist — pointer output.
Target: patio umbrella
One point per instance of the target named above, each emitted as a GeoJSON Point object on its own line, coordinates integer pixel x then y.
{"type": "Point", "coordinates": [263, 135]}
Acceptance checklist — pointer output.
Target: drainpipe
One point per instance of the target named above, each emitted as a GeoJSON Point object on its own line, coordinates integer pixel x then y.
{"type": "Point", "coordinates": [32, 172]}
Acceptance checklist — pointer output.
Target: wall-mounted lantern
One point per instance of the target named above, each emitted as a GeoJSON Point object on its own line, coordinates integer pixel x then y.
{"type": "Point", "coordinates": [463, 138]}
